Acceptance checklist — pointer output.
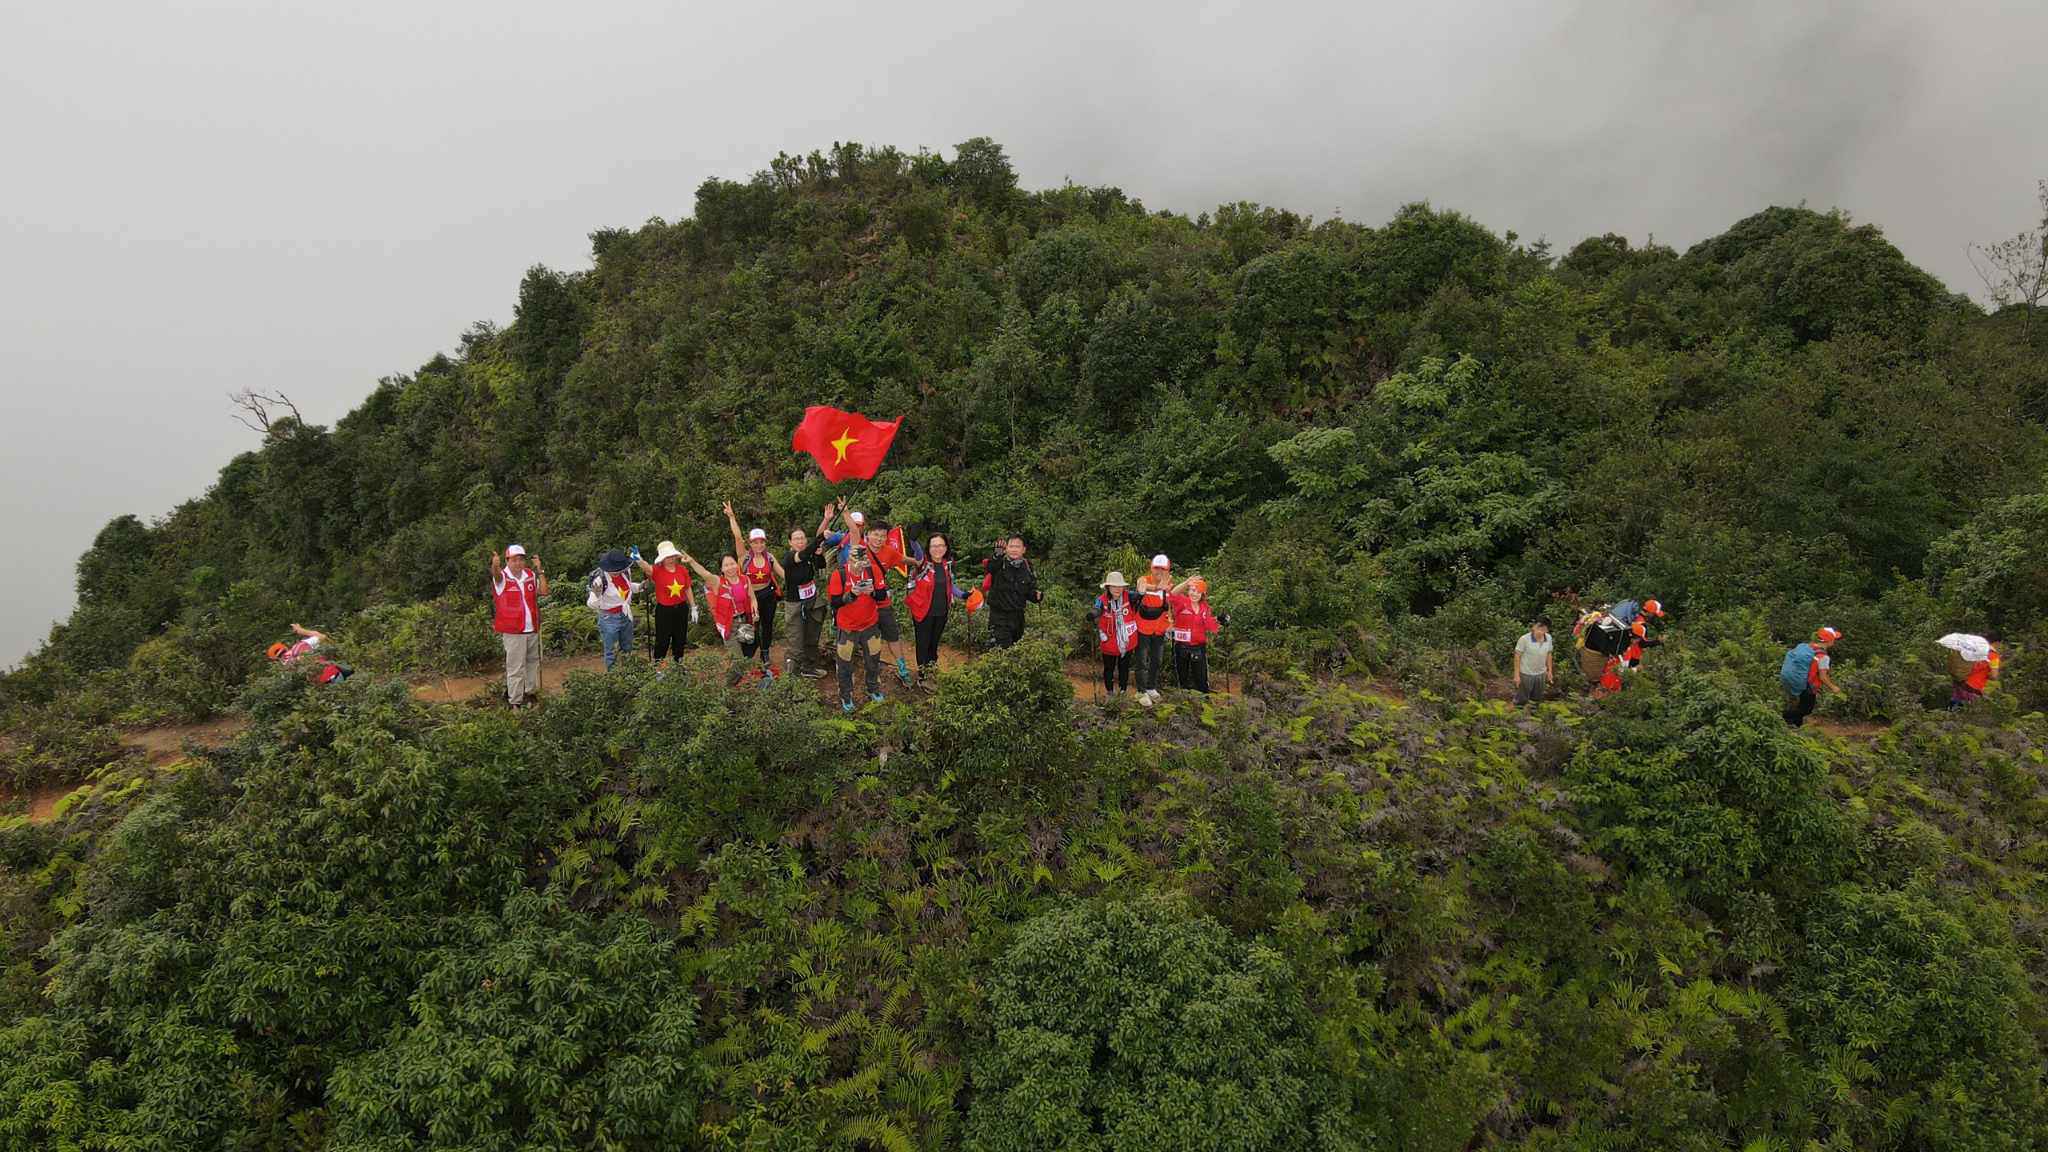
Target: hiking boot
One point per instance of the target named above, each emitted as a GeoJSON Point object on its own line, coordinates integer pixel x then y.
{"type": "Point", "coordinates": [846, 706]}
{"type": "Point", "coordinates": [903, 671]}
{"type": "Point", "coordinates": [874, 697]}
{"type": "Point", "coordinates": [815, 673]}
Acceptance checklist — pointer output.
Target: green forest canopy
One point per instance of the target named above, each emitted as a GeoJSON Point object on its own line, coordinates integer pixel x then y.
{"type": "Point", "coordinates": [667, 914]}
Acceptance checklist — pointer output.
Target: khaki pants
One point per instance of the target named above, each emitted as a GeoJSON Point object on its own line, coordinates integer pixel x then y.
{"type": "Point", "coordinates": [522, 666]}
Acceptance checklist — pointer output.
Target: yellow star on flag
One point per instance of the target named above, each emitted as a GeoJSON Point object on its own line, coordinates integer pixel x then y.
{"type": "Point", "coordinates": [846, 438]}
{"type": "Point", "coordinates": [675, 588]}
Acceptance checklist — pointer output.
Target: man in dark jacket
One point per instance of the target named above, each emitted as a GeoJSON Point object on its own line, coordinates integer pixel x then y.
{"type": "Point", "coordinates": [1009, 585]}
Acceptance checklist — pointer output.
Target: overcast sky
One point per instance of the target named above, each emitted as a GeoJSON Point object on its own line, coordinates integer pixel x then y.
{"type": "Point", "coordinates": [203, 197]}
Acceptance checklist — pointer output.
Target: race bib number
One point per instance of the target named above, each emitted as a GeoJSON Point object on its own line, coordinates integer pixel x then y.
{"type": "Point", "coordinates": [807, 590]}
{"type": "Point", "coordinates": [1184, 635]}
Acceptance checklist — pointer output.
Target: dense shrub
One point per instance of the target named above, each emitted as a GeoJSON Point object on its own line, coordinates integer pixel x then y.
{"type": "Point", "coordinates": [1138, 1026]}
{"type": "Point", "coordinates": [1001, 729]}
{"type": "Point", "coordinates": [537, 1026]}
{"type": "Point", "coordinates": [1922, 1008]}
{"type": "Point", "coordinates": [1695, 782]}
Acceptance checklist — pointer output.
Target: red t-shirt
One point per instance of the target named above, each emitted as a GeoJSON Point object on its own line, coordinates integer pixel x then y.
{"type": "Point", "coordinates": [671, 584]}
{"type": "Point", "coordinates": [760, 572]}
{"type": "Point", "coordinates": [860, 612]}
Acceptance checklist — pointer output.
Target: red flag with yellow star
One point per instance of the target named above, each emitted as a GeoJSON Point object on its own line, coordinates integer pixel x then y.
{"type": "Point", "coordinates": [846, 445]}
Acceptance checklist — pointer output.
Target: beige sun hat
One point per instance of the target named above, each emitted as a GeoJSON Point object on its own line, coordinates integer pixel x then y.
{"type": "Point", "coordinates": [664, 550]}
{"type": "Point", "coordinates": [1114, 580]}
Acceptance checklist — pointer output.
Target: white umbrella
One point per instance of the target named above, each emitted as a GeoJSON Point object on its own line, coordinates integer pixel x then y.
{"type": "Point", "coordinates": [1969, 646]}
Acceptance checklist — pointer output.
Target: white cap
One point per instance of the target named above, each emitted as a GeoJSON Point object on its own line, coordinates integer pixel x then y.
{"type": "Point", "coordinates": [1159, 561]}
{"type": "Point", "coordinates": [514, 550]}
{"type": "Point", "coordinates": [856, 517]}
{"type": "Point", "coordinates": [757, 534]}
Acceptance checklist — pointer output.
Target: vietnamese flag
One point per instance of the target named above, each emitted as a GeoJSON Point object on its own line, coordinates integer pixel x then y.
{"type": "Point", "coordinates": [846, 445]}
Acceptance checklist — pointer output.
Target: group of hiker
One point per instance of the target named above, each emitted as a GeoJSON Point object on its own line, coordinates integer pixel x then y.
{"type": "Point", "coordinates": [1611, 641]}
{"type": "Point", "coordinates": [1134, 621]}
{"type": "Point", "coordinates": [843, 573]}
{"type": "Point", "coordinates": [1973, 664]}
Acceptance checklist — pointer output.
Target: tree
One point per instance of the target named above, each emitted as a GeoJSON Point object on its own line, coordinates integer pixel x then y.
{"type": "Point", "coordinates": [2015, 271]}
{"type": "Point", "coordinates": [983, 172]}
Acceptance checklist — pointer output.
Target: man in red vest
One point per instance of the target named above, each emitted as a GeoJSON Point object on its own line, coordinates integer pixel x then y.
{"type": "Point", "coordinates": [515, 617]}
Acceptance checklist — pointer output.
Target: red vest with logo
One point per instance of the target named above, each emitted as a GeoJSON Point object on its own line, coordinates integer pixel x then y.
{"type": "Point", "coordinates": [515, 604]}
{"type": "Point", "coordinates": [1116, 625]}
{"type": "Point", "coordinates": [1147, 600]}
{"type": "Point", "coordinates": [729, 599]}
{"type": "Point", "coordinates": [933, 584]}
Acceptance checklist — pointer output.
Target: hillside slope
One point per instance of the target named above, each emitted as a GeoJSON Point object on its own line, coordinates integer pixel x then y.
{"type": "Point", "coordinates": [1361, 903]}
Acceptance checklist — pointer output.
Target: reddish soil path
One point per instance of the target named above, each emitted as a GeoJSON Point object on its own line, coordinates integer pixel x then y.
{"type": "Point", "coordinates": [554, 676]}
{"type": "Point", "coordinates": [1848, 729]}
{"type": "Point", "coordinates": [166, 745]}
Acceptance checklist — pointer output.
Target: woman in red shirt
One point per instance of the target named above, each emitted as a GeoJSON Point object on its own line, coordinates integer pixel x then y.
{"type": "Point", "coordinates": [671, 580]}
{"type": "Point", "coordinates": [1152, 599]}
{"type": "Point", "coordinates": [1193, 624]}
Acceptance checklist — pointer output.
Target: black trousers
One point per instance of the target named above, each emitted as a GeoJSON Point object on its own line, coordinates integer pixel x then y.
{"type": "Point", "coordinates": [1798, 708]}
{"type": "Point", "coordinates": [671, 629]}
{"type": "Point", "coordinates": [1116, 672]}
{"type": "Point", "coordinates": [765, 603]}
{"type": "Point", "coordinates": [929, 630]}
{"type": "Point", "coordinates": [1191, 666]}
{"type": "Point", "coordinates": [1151, 650]}
{"type": "Point", "coordinates": [1005, 626]}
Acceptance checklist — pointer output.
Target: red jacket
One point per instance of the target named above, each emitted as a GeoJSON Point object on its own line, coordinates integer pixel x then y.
{"type": "Point", "coordinates": [1116, 624]}
{"type": "Point", "coordinates": [1193, 621]}
{"type": "Point", "coordinates": [932, 584]}
{"type": "Point", "coordinates": [515, 603]}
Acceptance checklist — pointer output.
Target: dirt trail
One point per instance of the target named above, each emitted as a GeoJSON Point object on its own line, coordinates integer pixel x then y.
{"type": "Point", "coordinates": [554, 676]}
{"type": "Point", "coordinates": [1848, 729]}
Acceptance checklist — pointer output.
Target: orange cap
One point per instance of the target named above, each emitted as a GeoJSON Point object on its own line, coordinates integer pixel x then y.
{"type": "Point", "coordinates": [1653, 608]}
{"type": "Point", "coordinates": [278, 649]}
{"type": "Point", "coordinates": [1828, 635]}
